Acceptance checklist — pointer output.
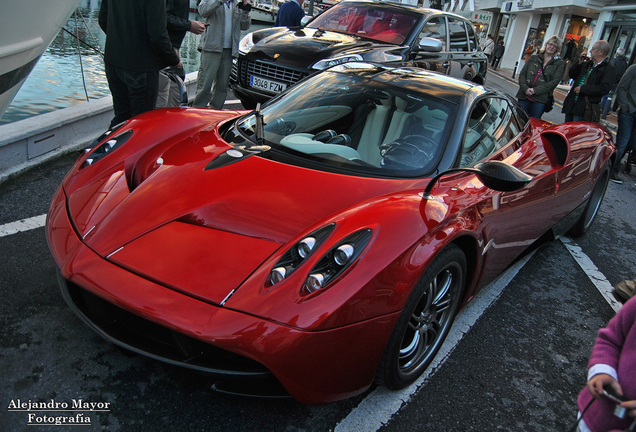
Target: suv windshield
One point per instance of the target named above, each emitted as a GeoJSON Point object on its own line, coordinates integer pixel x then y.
{"type": "Point", "coordinates": [380, 23]}
{"type": "Point", "coordinates": [362, 121]}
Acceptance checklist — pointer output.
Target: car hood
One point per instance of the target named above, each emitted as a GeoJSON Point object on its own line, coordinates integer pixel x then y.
{"type": "Point", "coordinates": [203, 231]}
{"type": "Point", "coordinates": [309, 46]}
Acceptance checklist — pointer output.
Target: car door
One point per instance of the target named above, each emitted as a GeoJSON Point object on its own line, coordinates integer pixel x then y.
{"type": "Point", "coordinates": [435, 28]}
{"type": "Point", "coordinates": [511, 221]}
{"type": "Point", "coordinates": [458, 57]}
{"type": "Point", "coordinates": [464, 49]}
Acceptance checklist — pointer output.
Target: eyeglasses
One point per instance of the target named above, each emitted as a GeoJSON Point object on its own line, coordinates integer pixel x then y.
{"type": "Point", "coordinates": [553, 44]}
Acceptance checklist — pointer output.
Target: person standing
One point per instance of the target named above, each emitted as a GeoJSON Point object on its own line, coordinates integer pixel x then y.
{"type": "Point", "coordinates": [620, 64]}
{"type": "Point", "coordinates": [497, 55]}
{"type": "Point", "coordinates": [539, 77]}
{"type": "Point", "coordinates": [178, 24]}
{"type": "Point", "coordinates": [137, 47]}
{"type": "Point", "coordinates": [626, 134]}
{"type": "Point", "coordinates": [569, 54]}
{"type": "Point", "coordinates": [219, 44]}
{"type": "Point", "coordinates": [532, 49]}
{"type": "Point", "coordinates": [592, 80]}
{"type": "Point", "coordinates": [290, 14]}
{"type": "Point", "coordinates": [489, 46]}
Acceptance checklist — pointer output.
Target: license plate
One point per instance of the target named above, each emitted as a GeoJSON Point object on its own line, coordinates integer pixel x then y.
{"type": "Point", "coordinates": [267, 85]}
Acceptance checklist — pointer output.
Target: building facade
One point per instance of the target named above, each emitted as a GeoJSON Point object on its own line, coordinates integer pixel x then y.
{"type": "Point", "coordinates": [518, 22]}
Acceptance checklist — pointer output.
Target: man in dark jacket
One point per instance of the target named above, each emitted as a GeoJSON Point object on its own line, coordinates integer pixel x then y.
{"type": "Point", "coordinates": [593, 79]}
{"type": "Point", "coordinates": [290, 14]}
{"type": "Point", "coordinates": [137, 47]}
{"type": "Point", "coordinates": [178, 12]}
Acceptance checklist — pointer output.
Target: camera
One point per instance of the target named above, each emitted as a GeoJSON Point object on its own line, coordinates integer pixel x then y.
{"type": "Point", "coordinates": [610, 393]}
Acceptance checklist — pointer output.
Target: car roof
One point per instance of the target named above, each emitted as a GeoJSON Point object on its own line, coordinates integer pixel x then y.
{"type": "Point", "coordinates": [416, 79]}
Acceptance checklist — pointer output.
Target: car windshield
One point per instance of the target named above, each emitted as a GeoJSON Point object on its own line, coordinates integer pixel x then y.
{"type": "Point", "coordinates": [377, 22]}
{"type": "Point", "coordinates": [375, 123]}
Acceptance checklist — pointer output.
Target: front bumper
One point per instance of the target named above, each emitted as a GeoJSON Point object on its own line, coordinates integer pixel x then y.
{"type": "Point", "coordinates": [314, 367]}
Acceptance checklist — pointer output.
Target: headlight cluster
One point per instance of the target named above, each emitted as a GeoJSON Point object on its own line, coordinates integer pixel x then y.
{"type": "Point", "coordinates": [96, 153]}
{"type": "Point", "coordinates": [334, 262]}
{"type": "Point", "coordinates": [246, 44]}
{"type": "Point", "coordinates": [296, 255]}
{"type": "Point", "coordinates": [326, 63]}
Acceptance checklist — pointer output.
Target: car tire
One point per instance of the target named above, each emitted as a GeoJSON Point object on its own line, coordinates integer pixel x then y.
{"type": "Point", "coordinates": [425, 320]}
{"type": "Point", "coordinates": [593, 204]}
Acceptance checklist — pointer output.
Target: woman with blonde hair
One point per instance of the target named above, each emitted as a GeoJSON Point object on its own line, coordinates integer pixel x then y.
{"type": "Point", "coordinates": [539, 77]}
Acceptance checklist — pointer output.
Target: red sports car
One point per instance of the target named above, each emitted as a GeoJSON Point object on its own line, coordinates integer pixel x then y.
{"type": "Point", "coordinates": [324, 241]}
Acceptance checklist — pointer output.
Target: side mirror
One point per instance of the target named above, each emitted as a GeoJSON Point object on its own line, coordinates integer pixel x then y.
{"type": "Point", "coordinates": [430, 44]}
{"type": "Point", "coordinates": [495, 175]}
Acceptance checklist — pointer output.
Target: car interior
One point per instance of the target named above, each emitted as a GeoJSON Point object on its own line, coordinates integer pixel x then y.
{"type": "Point", "coordinates": [381, 127]}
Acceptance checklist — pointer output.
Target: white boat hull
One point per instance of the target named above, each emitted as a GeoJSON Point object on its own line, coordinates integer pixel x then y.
{"type": "Point", "coordinates": [27, 28]}
{"type": "Point", "coordinates": [262, 15]}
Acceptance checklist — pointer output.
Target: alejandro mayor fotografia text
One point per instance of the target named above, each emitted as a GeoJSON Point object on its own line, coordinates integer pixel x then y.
{"type": "Point", "coordinates": [53, 412]}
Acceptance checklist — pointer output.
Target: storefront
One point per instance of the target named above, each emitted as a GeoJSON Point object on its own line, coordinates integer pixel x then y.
{"type": "Point", "coordinates": [621, 32]}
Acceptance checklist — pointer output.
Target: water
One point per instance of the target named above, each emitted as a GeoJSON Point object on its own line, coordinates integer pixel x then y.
{"type": "Point", "coordinates": [57, 81]}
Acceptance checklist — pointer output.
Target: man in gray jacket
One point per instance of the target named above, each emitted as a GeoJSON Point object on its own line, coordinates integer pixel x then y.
{"type": "Point", "coordinates": [224, 20]}
{"type": "Point", "coordinates": [626, 134]}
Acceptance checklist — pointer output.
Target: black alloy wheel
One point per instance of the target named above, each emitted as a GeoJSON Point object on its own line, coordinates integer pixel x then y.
{"type": "Point", "coordinates": [425, 320]}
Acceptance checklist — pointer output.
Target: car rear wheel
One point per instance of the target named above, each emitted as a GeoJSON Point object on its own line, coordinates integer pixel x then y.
{"type": "Point", "coordinates": [425, 320]}
{"type": "Point", "coordinates": [593, 204]}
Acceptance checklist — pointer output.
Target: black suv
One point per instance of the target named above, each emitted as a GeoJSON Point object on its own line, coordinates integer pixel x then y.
{"type": "Point", "coordinates": [272, 59]}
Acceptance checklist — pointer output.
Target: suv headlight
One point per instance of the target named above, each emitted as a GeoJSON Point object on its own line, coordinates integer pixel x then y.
{"type": "Point", "coordinates": [246, 44]}
{"type": "Point", "coordinates": [326, 63]}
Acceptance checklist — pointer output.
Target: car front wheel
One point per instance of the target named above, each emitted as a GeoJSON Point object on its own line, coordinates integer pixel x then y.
{"type": "Point", "coordinates": [425, 320]}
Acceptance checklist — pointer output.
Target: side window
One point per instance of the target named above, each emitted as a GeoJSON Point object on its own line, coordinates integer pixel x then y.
{"type": "Point", "coordinates": [435, 28]}
{"type": "Point", "coordinates": [472, 38]}
{"type": "Point", "coordinates": [491, 127]}
{"type": "Point", "coordinates": [457, 34]}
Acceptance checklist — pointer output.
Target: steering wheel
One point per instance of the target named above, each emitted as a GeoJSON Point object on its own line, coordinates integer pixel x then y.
{"type": "Point", "coordinates": [409, 152]}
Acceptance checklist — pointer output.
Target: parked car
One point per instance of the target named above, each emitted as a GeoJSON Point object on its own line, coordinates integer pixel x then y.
{"type": "Point", "coordinates": [323, 241]}
{"type": "Point", "coordinates": [272, 59]}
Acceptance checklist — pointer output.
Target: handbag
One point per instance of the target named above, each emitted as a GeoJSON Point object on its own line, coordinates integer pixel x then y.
{"type": "Point", "coordinates": [549, 104]}
{"type": "Point", "coordinates": [592, 112]}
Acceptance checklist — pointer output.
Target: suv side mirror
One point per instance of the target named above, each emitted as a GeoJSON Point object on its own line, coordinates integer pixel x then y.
{"type": "Point", "coordinates": [430, 44]}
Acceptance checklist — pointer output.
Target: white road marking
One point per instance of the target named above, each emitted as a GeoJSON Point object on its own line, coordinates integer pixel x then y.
{"type": "Point", "coordinates": [593, 273]}
{"type": "Point", "coordinates": [22, 225]}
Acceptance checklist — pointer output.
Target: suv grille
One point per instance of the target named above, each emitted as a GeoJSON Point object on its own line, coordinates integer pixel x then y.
{"type": "Point", "coordinates": [268, 71]}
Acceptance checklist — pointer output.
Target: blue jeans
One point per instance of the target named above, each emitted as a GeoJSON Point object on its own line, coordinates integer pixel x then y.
{"type": "Point", "coordinates": [625, 136]}
{"type": "Point", "coordinates": [534, 109]}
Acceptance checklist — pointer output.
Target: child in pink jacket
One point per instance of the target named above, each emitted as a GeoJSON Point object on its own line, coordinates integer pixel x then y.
{"type": "Point", "coordinates": [613, 362]}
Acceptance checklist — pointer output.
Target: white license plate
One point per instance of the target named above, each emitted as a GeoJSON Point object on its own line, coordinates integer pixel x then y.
{"type": "Point", "coordinates": [267, 85]}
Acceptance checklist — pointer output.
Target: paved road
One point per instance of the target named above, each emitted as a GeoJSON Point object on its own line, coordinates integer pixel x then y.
{"type": "Point", "coordinates": [516, 360]}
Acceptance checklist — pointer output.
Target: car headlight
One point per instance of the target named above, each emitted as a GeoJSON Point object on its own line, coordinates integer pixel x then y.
{"type": "Point", "coordinates": [246, 44]}
{"type": "Point", "coordinates": [326, 63]}
{"type": "Point", "coordinates": [98, 151]}
{"type": "Point", "coordinates": [337, 260]}
{"type": "Point", "coordinates": [297, 254]}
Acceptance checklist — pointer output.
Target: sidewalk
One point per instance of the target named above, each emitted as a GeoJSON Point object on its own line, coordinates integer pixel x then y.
{"type": "Point", "coordinates": [559, 95]}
